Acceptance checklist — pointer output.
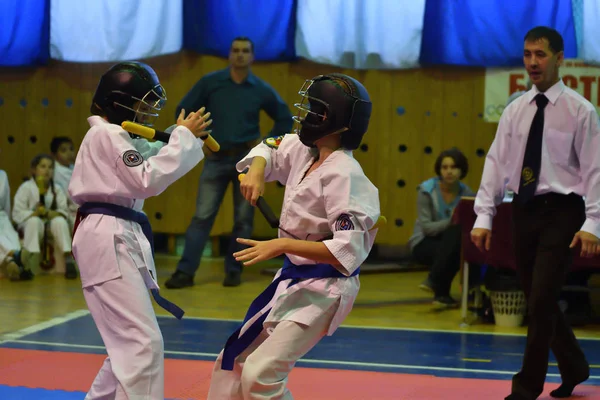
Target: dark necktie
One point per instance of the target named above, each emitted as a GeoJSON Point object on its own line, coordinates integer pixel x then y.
{"type": "Point", "coordinates": [532, 160]}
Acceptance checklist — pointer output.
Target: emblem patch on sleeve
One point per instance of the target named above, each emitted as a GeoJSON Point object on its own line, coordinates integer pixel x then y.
{"type": "Point", "coordinates": [344, 223]}
{"type": "Point", "coordinates": [132, 158]}
{"type": "Point", "coordinates": [273, 142]}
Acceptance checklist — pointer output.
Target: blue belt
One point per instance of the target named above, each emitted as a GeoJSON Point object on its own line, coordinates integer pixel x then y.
{"type": "Point", "coordinates": [129, 214]}
{"type": "Point", "coordinates": [236, 344]}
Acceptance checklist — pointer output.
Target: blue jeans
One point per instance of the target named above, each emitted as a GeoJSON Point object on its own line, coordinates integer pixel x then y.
{"type": "Point", "coordinates": [216, 176]}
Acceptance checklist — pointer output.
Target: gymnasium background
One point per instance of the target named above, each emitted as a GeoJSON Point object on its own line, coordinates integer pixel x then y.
{"type": "Point", "coordinates": [438, 72]}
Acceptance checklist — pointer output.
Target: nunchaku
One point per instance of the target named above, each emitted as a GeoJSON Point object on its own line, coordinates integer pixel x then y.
{"type": "Point", "coordinates": [273, 221]}
{"type": "Point", "coordinates": [161, 136]}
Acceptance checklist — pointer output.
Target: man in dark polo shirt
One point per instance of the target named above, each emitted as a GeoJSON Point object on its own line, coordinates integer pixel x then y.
{"type": "Point", "coordinates": [234, 96]}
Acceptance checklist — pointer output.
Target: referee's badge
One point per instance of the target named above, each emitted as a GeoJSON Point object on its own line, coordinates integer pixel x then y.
{"type": "Point", "coordinates": [527, 176]}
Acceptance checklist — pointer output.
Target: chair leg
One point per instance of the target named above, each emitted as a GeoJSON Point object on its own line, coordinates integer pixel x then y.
{"type": "Point", "coordinates": [465, 293]}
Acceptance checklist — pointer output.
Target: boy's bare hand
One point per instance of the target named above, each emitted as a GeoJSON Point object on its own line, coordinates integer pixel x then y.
{"type": "Point", "coordinates": [196, 122]}
{"type": "Point", "coordinates": [252, 185]}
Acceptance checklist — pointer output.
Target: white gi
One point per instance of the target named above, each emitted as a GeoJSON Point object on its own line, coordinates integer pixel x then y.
{"type": "Point", "coordinates": [62, 177]}
{"type": "Point", "coordinates": [335, 198]}
{"type": "Point", "coordinates": [114, 256]}
{"type": "Point", "coordinates": [26, 200]}
{"type": "Point", "coordinates": [9, 238]}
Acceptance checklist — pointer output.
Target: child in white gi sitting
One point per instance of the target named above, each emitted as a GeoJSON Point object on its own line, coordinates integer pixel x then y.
{"type": "Point", "coordinates": [11, 255]}
{"type": "Point", "coordinates": [40, 210]}
{"type": "Point", "coordinates": [63, 151]}
{"type": "Point", "coordinates": [329, 208]}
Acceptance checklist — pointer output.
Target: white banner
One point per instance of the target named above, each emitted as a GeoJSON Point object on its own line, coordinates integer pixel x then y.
{"type": "Point", "coordinates": [500, 83]}
{"type": "Point", "coordinates": [114, 30]}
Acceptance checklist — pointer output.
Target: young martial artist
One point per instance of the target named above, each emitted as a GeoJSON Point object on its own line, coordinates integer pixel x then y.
{"type": "Point", "coordinates": [63, 151]}
{"type": "Point", "coordinates": [328, 209]}
{"type": "Point", "coordinates": [40, 209]}
{"type": "Point", "coordinates": [12, 257]}
{"type": "Point", "coordinates": [112, 240]}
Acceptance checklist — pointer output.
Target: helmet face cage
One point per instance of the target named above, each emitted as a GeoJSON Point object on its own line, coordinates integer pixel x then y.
{"type": "Point", "coordinates": [154, 100]}
{"type": "Point", "coordinates": [304, 108]}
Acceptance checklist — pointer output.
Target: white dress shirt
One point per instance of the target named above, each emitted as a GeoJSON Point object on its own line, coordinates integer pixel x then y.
{"type": "Point", "coordinates": [570, 153]}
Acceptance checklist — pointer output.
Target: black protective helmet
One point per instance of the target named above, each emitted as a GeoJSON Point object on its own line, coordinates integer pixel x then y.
{"type": "Point", "coordinates": [122, 86]}
{"type": "Point", "coordinates": [333, 103]}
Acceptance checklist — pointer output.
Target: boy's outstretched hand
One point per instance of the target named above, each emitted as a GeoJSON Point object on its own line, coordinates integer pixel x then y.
{"type": "Point", "coordinates": [259, 250]}
{"type": "Point", "coordinates": [196, 122]}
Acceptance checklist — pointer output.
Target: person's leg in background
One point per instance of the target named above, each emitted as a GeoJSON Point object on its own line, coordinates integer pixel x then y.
{"type": "Point", "coordinates": [33, 233]}
{"type": "Point", "coordinates": [424, 252]}
{"type": "Point", "coordinates": [446, 263]}
{"type": "Point", "coordinates": [213, 183]}
{"type": "Point", "coordinates": [61, 237]}
{"type": "Point", "coordinates": [12, 258]}
{"type": "Point", "coordinates": [575, 301]}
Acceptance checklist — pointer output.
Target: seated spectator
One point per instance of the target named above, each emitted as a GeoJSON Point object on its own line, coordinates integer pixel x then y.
{"type": "Point", "coordinates": [40, 209]}
{"type": "Point", "coordinates": [436, 241]}
{"type": "Point", "coordinates": [63, 151]}
{"type": "Point", "coordinates": [11, 257]}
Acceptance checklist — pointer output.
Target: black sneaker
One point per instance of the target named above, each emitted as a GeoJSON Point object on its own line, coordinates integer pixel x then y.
{"type": "Point", "coordinates": [179, 280]}
{"type": "Point", "coordinates": [26, 275]}
{"type": "Point", "coordinates": [445, 301]}
{"type": "Point", "coordinates": [21, 259]}
{"type": "Point", "coordinates": [427, 286]}
{"type": "Point", "coordinates": [232, 279]}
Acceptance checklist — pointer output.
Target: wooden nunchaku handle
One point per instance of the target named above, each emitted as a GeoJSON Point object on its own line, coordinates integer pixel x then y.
{"type": "Point", "coordinates": [153, 134]}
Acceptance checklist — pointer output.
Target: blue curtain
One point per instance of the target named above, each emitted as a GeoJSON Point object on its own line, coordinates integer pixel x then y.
{"type": "Point", "coordinates": [24, 32]}
{"type": "Point", "coordinates": [489, 33]}
{"type": "Point", "coordinates": [358, 34]}
{"type": "Point", "coordinates": [209, 26]}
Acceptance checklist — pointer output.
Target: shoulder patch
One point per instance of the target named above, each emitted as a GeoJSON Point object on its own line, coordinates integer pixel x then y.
{"type": "Point", "coordinates": [273, 142]}
{"type": "Point", "coordinates": [344, 223]}
{"type": "Point", "coordinates": [132, 158]}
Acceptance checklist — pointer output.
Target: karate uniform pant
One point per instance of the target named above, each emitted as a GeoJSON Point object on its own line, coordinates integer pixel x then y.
{"type": "Point", "coordinates": [123, 313]}
{"type": "Point", "coordinates": [9, 241]}
{"type": "Point", "coordinates": [261, 371]}
{"type": "Point", "coordinates": [71, 217]}
{"type": "Point", "coordinates": [33, 236]}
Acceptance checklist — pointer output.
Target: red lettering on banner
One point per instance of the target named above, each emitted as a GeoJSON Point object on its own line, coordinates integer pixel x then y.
{"type": "Point", "coordinates": [587, 86]}
{"type": "Point", "coordinates": [514, 85]}
{"type": "Point", "coordinates": [570, 81]}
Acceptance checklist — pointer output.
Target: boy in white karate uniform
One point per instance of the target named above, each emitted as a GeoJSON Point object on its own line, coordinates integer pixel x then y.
{"type": "Point", "coordinates": [112, 240]}
{"type": "Point", "coordinates": [329, 208]}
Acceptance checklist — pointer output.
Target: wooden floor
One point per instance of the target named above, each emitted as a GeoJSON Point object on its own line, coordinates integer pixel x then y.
{"type": "Point", "coordinates": [385, 300]}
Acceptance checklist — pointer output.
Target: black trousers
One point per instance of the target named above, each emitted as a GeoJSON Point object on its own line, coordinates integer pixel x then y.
{"type": "Point", "coordinates": [442, 253]}
{"type": "Point", "coordinates": [542, 231]}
